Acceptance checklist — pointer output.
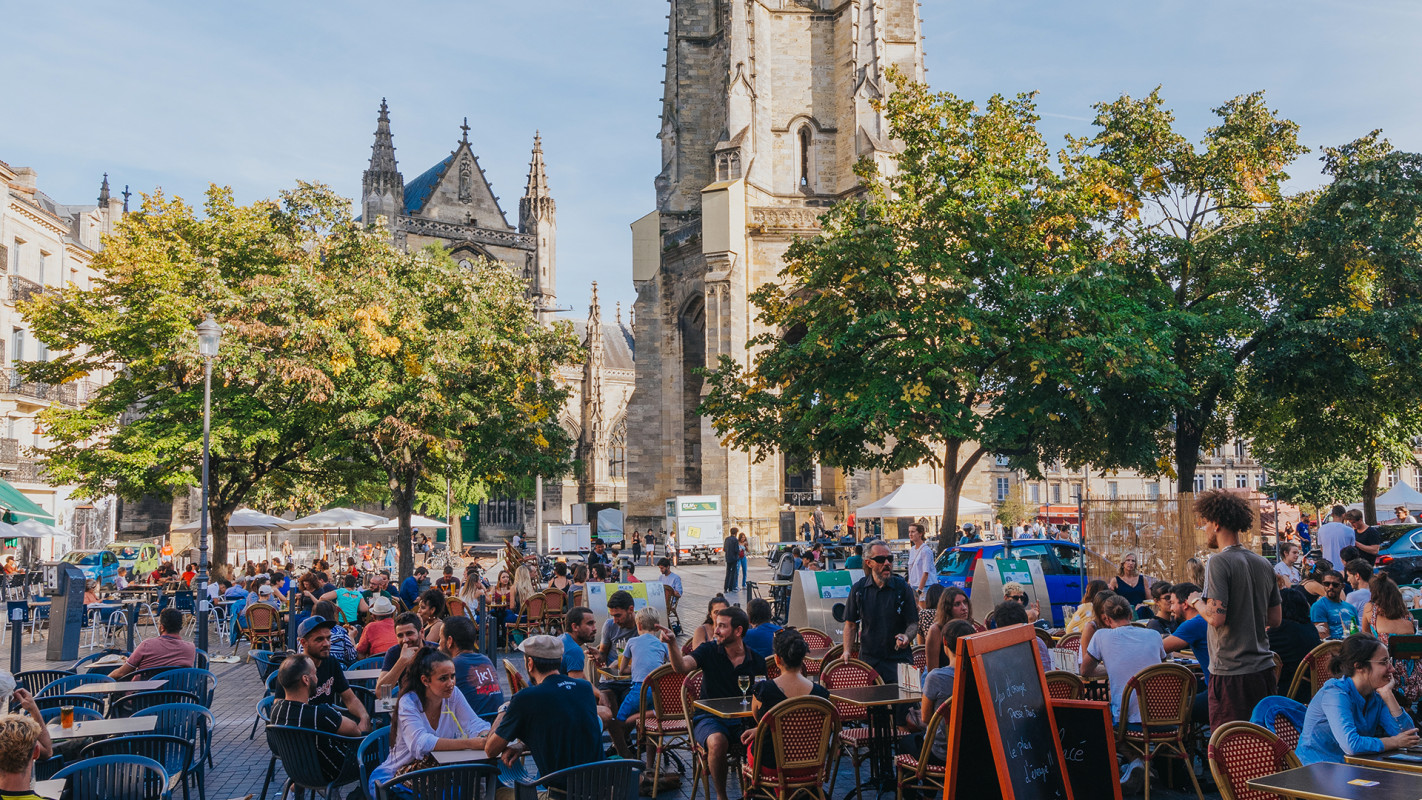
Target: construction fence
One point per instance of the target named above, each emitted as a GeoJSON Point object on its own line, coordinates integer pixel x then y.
{"type": "Point", "coordinates": [1149, 529]}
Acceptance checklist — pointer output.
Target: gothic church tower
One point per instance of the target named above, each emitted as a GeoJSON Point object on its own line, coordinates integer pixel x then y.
{"type": "Point", "coordinates": [382, 185]}
{"type": "Point", "coordinates": [538, 217]}
{"type": "Point", "coordinates": [767, 107]}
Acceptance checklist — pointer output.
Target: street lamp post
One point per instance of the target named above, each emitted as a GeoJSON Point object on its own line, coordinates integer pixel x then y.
{"type": "Point", "coordinates": [209, 334]}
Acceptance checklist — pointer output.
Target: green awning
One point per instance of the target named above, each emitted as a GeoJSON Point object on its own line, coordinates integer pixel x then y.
{"type": "Point", "coordinates": [21, 507]}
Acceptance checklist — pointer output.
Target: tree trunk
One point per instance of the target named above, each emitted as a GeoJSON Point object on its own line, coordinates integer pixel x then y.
{"type": "Point", "coordinates": [1370, 492]}
{"type": "Point", "coordinates": [1187, 460]}
{"type": "Point", "coordinates": [953, 477]}
{"type": "Point", "coordinates": [403, 479]}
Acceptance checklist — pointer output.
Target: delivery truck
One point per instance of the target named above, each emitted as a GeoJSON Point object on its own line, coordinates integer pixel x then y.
{"type": "Point", "coordinates": [696, 520]}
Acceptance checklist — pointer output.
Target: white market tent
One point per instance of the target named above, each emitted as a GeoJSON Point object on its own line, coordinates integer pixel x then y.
{"type": "Point", "coordinates": [337, 520]}
{"type": "Point", "coordinates": [919, 500]}
{"type": "Point", "coordinates": [245, 521]}
{"type": "Point", "coordinates": [416, 521]}
{"type": "Point", "coordinates": [1400, 494]}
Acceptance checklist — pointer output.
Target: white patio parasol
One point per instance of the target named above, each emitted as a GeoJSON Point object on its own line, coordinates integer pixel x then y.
{"type": "Point", "coordinates": [919, 500]}
{"type": "Point", "coordinates": [244, 520]}
{"type": "Point", "coordinates": [337, 520]}
{"type": "Point", "coordinates": [34, 529]}
{"type": "Point", "coordinates": [416, 521]}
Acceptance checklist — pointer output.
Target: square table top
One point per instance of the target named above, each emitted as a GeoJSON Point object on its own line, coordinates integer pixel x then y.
{"type": "Point", "coordinates": [773, 583]}
{"type": "Point", "coordinates": [114, 687]}
{"type": "Point", "coordinates": [50, 789]}
{"type": "Point", "coordinates": [460, 756]}
{"type": "Point", "coordinates": [362, 674]}
{"type": "Point", "coordinates": [1329, 781]}
{"type": "Point", "coordinates": [888, 694]}
{"type": "Point", "coordinates": [109, 727]}
{"type": "Point", "coordinates": [731, 708]}
{"type": "Point", "coordinates": [1403, 760]}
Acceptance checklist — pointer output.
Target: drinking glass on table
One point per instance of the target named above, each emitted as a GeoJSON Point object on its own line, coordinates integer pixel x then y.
{"type": "Point", "coordinates": [745, 683]}
{"type": "Point", "coordinates": [66, 717]}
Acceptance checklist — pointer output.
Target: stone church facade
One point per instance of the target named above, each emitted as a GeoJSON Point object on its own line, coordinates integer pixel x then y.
{"type": "Point", "coordinates": [768, 106]}
{"type": "Point", "coordinates": [452, 204]}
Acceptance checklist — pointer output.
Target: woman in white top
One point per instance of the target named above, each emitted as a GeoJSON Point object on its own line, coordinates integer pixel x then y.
{"type": "Point", "coordinates": [432, 716]}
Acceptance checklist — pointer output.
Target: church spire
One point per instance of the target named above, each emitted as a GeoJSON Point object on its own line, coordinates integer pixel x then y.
{"type": "Point", "coordinates": [537, 172]}
{"type": "Point", "coordinates": [104, 192]}
{"type": "Point", "coordinates": [538, 216]}
{"type": "Point", "coordinates": [382, 186]}
{"type": "Point", "coordinates": [382, 153]}
{"type": "Point", "coordinates": [592, 439]}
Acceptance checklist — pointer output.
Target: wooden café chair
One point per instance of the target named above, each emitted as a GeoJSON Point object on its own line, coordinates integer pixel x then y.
{"type": "Point", "coordinates": [1165, 693]}
{"type": "Point", "coordinates": [800, 732]}
{"type": "Point", "coordinates": [919, 772]}
{"type": "Point", "coordinates": [1313, 670]}
{"type": "Point", "coordinates": [1063, 685]}
{"type": "Point", "coordinates": [1239, 752]}
{"type": "Point", "coordinates": [663, 722]}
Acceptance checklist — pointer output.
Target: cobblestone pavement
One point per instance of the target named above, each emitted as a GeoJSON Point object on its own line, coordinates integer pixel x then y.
{"type": "Point", "coordinates": [240, 764]}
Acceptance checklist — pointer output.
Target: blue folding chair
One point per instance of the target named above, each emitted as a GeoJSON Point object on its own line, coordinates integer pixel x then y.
{"type": "Point", "coordinates": [191, 722]}
{"type": "Point", "coordinates": [70, 682]}
{"type": "Point", "coordinates": [34, 680]}
{"type": "Point", "coordinates": [373, 750]}
{"type": "Point", "coordinates": [190, 679]}
{"type": "Point", "coordinates": [115, 778]}
{"type": "Point", "coordinates": [176, 755]}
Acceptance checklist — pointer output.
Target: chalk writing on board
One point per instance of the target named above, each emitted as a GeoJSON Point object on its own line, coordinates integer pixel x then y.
{"type": "Point", "coordinates": [1020, 708]}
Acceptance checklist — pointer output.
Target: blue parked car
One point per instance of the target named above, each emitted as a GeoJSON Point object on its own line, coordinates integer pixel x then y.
{"type": "Point", "coordinates": [100, 566]}
{"type": "Point", "coordinates": [1060, 560]}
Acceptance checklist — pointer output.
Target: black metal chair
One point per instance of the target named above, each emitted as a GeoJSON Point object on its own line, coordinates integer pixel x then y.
{"type": "Point", "coordinates": [115, 778]}
{"type": "Point", "coordinates": [128, 705]}
{"type": "Point", "coordinates": [367, 699]}
{"type": "Point", "coordinates": [34, 680]}
{"type": "Point", "coordinates": [451, 782]}
{"type": "Point", "coordinates": [264, 714]}
{"type": "Point", "coordinates": [616, 779]}
{"type": "Point", "coordinates": [298, 749]}
{"type": "Point", "coordinates": [175, 754]}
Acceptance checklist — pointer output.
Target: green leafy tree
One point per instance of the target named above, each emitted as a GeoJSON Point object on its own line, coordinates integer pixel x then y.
{"type": "Point", "coordinates": [1331, 389]}
{"type": "Point", "coordinates": [450, 369]}
{"type": "Point", "coordinates": [953, 310]}
{"type": "Point", "coordinates": [1320, 484]}
{"type": "Point", "coordinates": [1185, 232]}
{"type": "Point", "coordinates": [256, 268]}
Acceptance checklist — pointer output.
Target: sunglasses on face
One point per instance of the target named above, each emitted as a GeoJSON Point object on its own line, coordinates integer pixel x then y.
{"type": "Point", "coordinates": [1021, 598]}
{"type": "Point", "coordinates": [881, 559]}
{"type": "Point", "coordinates": [1332, 583]}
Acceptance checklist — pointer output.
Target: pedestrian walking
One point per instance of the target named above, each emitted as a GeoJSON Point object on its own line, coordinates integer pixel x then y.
{"type": "Point", "coordinates": [731, 549]}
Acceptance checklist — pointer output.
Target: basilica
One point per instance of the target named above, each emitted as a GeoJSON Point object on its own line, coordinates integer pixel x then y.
{"type": "Point", "coordinates": [453, 205]}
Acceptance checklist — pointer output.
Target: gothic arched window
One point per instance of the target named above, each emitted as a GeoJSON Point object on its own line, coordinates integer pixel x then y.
{"type": "Point", "coordinates": [805, 156]}
{"type": "Point", "coordinates": [617, 450]}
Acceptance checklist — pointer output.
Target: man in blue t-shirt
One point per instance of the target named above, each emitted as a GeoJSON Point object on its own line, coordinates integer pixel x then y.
{"type": "Point", "coordinates": [474, 673]}
{"type": "Point", "coordinates": [761, 636]}
{"type": "Point", "coordinates": [555, 717]}
{"type": "Point", "coordinates": [581, 630]}
{"type": "Point", "coordinates": [1331, 614]}
{"type": "Point", "coordinates": [1191, 633]}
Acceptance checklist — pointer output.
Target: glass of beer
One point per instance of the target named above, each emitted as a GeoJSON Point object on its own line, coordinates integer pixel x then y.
{"type": "Point", "coordinates": [66, 717]}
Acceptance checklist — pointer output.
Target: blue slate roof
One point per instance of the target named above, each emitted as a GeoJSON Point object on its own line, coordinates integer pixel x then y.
{"type": "Point", "coordinates": [418, 191]}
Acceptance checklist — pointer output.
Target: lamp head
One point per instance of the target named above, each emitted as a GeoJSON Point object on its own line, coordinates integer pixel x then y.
{"type": "Point", "coordinates": [209, 334]}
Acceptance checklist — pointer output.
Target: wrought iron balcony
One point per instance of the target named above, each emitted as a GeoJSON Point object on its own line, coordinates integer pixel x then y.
{"type": "Point", "coordinates": [23, 288]}
{"type": "Point", "coordinates": [9, 451]}
{"type": "Point", "coordinates": [805, 497]}
{"type": "Point", "coordinates": [28, 472]}
{"type": "Point", "coordinates": [12, 382]}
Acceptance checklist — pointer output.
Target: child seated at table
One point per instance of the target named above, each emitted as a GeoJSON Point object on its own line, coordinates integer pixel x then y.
{"type": "Point", "coordinates": [1356, 712]}
{"type": "Point", "coordinates": [643, 653]}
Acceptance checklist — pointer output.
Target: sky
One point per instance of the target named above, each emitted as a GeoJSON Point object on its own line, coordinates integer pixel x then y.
{"type": "Point", "coordinates": [258, 95]}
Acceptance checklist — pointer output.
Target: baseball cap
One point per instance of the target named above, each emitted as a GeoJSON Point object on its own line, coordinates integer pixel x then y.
{"type": "Point", "coordinates": [542, 646]}
{"type": "Point", "coordinates": [313, 623]}
{"type": "Point", "coordinates": [265, 591]}
{"type": "Point", "coordinates": [381, 606]}
{"type": "Point", "coordinates": [968, 527]}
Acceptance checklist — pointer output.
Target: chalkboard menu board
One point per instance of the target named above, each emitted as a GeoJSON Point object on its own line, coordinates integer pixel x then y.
{"type": "Point", "coordinates": [1088, 747]}
{"type": "Point", "coordinates": [1001, 716]}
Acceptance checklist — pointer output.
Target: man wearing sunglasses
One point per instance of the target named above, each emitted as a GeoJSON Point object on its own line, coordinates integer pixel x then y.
{"type": "Point", "coordinates": [1331, 614]}
{"type": "Point", "coordinates": [882, 611]}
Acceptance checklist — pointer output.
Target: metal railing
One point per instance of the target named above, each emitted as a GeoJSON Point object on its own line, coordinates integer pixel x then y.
{"type": "Point", "coordinates": [30, 471]}
{"type": "Point", "coordinates": [12, 382]}
{"type": "Point", "coordinates": [23, 288]}
{"type": "Point", "coordinates": [9, 451]}
{"type": "Point", "coordinates": [809, 497]}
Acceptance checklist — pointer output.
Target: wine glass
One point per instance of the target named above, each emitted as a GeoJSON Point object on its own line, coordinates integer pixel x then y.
{"type": "Point", "coordinates": [745, 682]}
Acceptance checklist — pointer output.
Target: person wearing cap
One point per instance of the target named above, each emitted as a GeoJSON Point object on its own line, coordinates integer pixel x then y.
{"type": "Point", "coordinates": [555, 718]}
{"type": "Point", "coordinates": [331, 686]}
{"type": "Point", "coordinates": [410, 587]}
{"type": "Point", "coordinates": [379, 635]}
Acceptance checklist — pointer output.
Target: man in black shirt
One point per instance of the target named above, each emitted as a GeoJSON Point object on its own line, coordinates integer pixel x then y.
{"type": "Point", "coordinates": [555, 717]}
{"type": "Point", "coordinates": [1368, 537]}
{"type": "Point", "coordinates": [882, 605]}
{"type": "Point", "coordinates": [732, 549]}
{"type": "Point", "coordinates": [331, 686]}
{"type": "Point", "coordinates": [721, 663]}
{"type": "Point", "coordinates": [297, 677]}
{"type": "Point", "coordinates": [598, 554]}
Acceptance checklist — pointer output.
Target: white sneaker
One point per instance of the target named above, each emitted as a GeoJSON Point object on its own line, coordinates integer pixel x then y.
{"type": "Point", "coordinates": [1133, 777]}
